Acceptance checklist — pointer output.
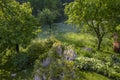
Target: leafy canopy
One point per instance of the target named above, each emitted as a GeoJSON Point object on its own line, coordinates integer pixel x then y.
{"type": "Point", "coordinates": [17, 25]}
{"type": "Point", "coordinates": [47, 17]}
{"type": "Point", "coordinates": [39, 5]}
{"type": "Point", "coordinates": [99, 15]}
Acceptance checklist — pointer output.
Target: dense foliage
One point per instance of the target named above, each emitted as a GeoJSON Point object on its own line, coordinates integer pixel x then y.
{"type": "Point", "coordinates": [47, 17]}
{"type": "Point", "coordinates": [30, 50]}
{"type": "Point", "coordinates": [17, 25]}
{"type": "Point", "coordinates": [96, 14]}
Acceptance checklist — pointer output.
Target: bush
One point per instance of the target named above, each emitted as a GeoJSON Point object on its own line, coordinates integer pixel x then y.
{"type": "Point", "coordinates": [20, 61]}
{"type": "Point", "coordinates": [38, 48]}
{"type": "Point", "coordinates": [35, 50]}
{"type": "Point", "coordinates": [98, 66]}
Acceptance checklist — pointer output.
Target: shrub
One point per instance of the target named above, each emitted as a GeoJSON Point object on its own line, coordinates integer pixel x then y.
{"type": "Point", "coordinates": [34, 50]}
{"type": "Point", "coordinates": [38, 48]}
{"type": "Point", "coordinates": [20, 61]}
{"type": "Point", "coordinates": [98, 66]}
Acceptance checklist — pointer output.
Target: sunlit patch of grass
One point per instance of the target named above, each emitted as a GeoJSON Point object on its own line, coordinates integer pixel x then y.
{"type": "Point", "coordinates": [94, 76]}
{"type": "Point", "coordinates": [78, 39]}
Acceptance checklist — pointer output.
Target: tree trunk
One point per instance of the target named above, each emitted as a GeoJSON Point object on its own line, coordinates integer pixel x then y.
{"type": "Point", "coordinates": [99, 43]}
{"type": "Point", "coordinates": [99, 31]}
{"type": "Point", "coordinates": [17, 48]}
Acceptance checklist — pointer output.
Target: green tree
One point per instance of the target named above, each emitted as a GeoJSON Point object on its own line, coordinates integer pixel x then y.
{"type": "Point", "coordinates": [47, 17]}
{"type": "Point", "coordinates": [39, 5]}
{"type": "Point", "coordinates": [17, 25]}
{"type": "Point", "coordinates": [95, 13]}
{"type": "Point", "coordinates": [113, 14]}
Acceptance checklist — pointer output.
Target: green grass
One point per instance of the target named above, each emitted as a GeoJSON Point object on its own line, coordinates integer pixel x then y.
{"type": "Point", "coordinates": [94, 76]}
{"type": "Point", "coordinates": [78, 39]}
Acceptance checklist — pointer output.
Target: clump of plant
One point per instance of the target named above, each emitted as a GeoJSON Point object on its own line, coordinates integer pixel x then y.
{"type": "Point", "coordinates": [39, 47]}
{"type": "Point", "coordinates": [92, 64]}
{"type": "Point", "coordinates": [20, 61]}
{"type": "Point", "coordinates": [56, 64]}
